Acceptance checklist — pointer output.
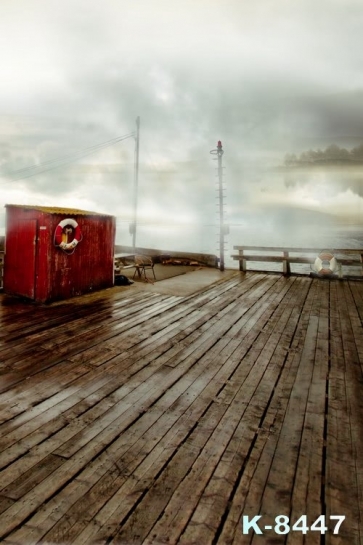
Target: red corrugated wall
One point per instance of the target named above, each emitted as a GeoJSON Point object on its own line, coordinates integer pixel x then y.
{"type": "Point", "coordinates": [34, 267]}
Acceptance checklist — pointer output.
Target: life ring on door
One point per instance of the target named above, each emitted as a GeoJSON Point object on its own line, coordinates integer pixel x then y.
{"type": "Point", "coordinates": [59, 232]}
{"type": "Point", "coordinates": [325, 263]}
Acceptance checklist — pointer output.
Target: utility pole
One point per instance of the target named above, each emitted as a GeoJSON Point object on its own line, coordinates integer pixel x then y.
{"type": "Point", "coordinates": [223, 229]}
{"type": "Point", "coordinates": [136, 180]}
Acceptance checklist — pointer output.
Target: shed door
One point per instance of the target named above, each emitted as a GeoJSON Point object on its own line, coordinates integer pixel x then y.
{"type": "Point", "coordinates": [22, 262]}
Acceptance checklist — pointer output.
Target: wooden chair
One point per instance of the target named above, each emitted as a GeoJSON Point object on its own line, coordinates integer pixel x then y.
{"type": "Point", "coordinates": [142, 264]}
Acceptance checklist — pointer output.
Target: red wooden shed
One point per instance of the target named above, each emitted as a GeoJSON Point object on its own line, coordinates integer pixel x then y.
{"type": "Point", "coordinates": [56, 253]}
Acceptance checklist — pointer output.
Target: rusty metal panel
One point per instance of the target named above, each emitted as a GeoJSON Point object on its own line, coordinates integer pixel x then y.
{"type": "Point", "coordinates": [20, 263]}
{"type": "Point", "coordinates": [90, 266]}
{"type": "Point", "coordinates": [43, 279]}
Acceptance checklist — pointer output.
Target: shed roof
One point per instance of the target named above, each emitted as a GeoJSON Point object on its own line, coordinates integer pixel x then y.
{"type": "Point", "coordinates": [57, 210]}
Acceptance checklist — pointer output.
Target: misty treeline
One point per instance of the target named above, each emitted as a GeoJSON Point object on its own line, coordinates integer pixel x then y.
{"type": "Point", "coordinates": [332, 155]}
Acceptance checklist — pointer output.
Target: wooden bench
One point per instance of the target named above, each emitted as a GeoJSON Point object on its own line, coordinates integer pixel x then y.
{"type": "Point", "coordinates": [285, 257]}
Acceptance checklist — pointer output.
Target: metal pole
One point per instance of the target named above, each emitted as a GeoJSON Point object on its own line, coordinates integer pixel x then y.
{"type": "Point", "coordinates": [136, 180]}
{"type": "Point", "coordinates": [222, 228]}
{"type": "Point", "coordinates": [221, 219]}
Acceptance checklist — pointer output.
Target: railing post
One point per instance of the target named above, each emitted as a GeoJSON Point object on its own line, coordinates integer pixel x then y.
{"type": "Point", "coordinates": [286, 264]}
{"type": "Point", "coordinates": [242, 262]}
{"type": "Point", "coordinates": [361, 260]}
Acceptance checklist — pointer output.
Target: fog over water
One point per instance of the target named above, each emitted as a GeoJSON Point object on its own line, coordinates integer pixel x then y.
{"type": "Point", "coordinates": [270, 214]}
{"type": "Point", "coordinates": [269, 79]}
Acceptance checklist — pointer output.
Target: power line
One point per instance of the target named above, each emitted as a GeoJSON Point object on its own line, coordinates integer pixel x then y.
{"type": "Point", "coordinates": [51, 164]}
{"type": "Point", "coordinates": [86, 150]}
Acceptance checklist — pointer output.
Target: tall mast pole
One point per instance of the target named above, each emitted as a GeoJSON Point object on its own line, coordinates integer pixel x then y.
{"type": "Point", "coordinates": [136, 180]}
{"type": "Point", "coordinates": [223, 229]}
{"type": "Point", "coordinates": [221, 219]}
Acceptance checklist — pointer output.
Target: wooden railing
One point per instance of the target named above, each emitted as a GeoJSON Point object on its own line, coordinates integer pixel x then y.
{"type": "Point", "coordinates": [264, 254]}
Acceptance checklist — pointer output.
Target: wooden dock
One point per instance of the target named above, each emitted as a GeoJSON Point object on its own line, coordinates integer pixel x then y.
{"type": "Point", "coordinates": [136, 416]}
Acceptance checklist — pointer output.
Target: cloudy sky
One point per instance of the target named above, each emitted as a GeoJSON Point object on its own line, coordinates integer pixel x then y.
{"type": "Point", "coordinates": [267, 78]}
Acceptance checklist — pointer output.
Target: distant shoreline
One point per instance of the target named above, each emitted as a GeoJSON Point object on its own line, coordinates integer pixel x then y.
{"type": "Point", "coordinates": [305, 165]}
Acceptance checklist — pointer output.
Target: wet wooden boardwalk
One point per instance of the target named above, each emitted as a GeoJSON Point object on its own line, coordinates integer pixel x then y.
{"type": "Point", "coordinates": [132, 416]}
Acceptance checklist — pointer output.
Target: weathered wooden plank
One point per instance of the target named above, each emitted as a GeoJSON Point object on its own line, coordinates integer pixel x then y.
{"type": "Point", "coordinates": [194, 419]}
{"type": "Point", "coordinates": [32, 346]}
{"type": "Point", "coordinates": [63, 337]}
{"type": "Point", "coordinates": [29, 412]}
{"type": "Point", "coordinates": [342, 473]}
{"type": "Point", "coordinates": [5, 503]}
{"type": "Point", "coordinates": [65, 371]}
{"type": "Point", "coordinates": [32, 477]}
{"type": "Point", "coordinates": [131, 459]}
{"type": "Point", "coordinates": [306, 498]}
{"type": "Point", "coordinates": [222, 408]}
{"type": "Point", "coordinates": [219, 488]}
{"type": "Point", "coordinates": [140, 384]}
{"type": "Point", "coordinates": [215, 482]}
{"type": "Point", "coordinates": [121, 421]}
{"type": "Point", "coordinates": [354, 305]}
{"type": "Point", "coordinates": [175, 316]}
{"type": "Point", "coordinates": [250, 485]}
{"type": "Point", "coordinates": [36, 320]}
{"type": "Point", "coordinates": [56, 357]}
{"type": "Point", "coordinates": [188, 420]}
{"type": "Point", "coordinates": [32, 426]}
{"type": "Point", "coordinates": [357, 295]}
{"type": "Point", "coordinates": [66, 332]}
{"type": "Point", "coordinates": [276, 499]}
